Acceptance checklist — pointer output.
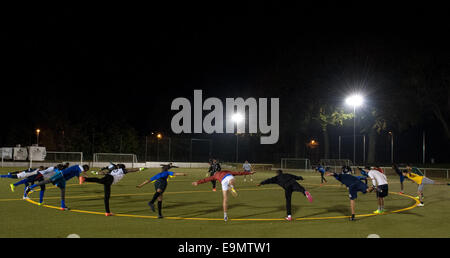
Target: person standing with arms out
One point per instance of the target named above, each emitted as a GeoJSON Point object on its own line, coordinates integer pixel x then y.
{"type": "Point", "coordinates": [380, 183]}
{"type": "Point", "coordinates": [226, 178]}
{"type": "Point", "coordinates": [160, 181]}
{"type": "Point", "coordinates": [354, 186]}
{"type": "Point", "coordinates": [400, 174]}
{"type": "Point", "coordinates": [215, 167]}
{"type": "Point", "coordinates": [247, 168]}
{"type": "Point", "coordinates": [289, 184]}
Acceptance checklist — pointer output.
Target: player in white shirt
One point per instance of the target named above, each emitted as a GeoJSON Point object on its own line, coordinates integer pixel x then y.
{"type": "Point", "coordinates": [112, 176]}
{"type": "Point", "coordinates": [247, 168]}
{"type": "Point", "coordinates": [379, 181]}
{"type": "Point", "coordinates": [40, 175]}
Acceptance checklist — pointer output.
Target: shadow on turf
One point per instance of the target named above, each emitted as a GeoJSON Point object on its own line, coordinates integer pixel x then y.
{"type": "Point", "coordinates": [342, 209]}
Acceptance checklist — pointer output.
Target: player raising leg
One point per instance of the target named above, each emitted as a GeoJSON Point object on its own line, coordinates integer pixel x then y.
{"type": "Point", "coordinates": [227, 180]}
{"type": "Point", "coordinates": [160, 181]}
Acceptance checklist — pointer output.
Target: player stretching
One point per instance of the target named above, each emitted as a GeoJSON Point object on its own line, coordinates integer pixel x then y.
{"type": "Point", "coordinates": [400, 174]}
{"type": "Point", "coordinates": [379, 181]}
{"type": "Point", "coordinates": [421, 181]}
{"type": "Point", "coordinates": [322, 171]}
{"type": "Point", "coordinates": [290, 185]}
{"type": "Point", "coordinates": [40, 176]}
{"type": "Point", "coordinates": [247, 168]}
{"type": "Point", "coordinates": [59, 179]}
{"type": "Point", "coordinates": [213, 168]}
{"type": "Point", "coordinates": [112, 175]}
{"type": "Point", "coordinates": [354, 186]}
{"type": "Point", "coordinates": [23, 173]}
{"type": "Point", "coordinates": [364, 174]}
{"type": "Point", "coordinates": [160, 180]}
{"type": "Point", "coordinates": [226, 178]}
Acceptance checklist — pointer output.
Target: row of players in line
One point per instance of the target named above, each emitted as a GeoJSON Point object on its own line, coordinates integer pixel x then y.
{"type": "Point", "coordinates": [59, 174]}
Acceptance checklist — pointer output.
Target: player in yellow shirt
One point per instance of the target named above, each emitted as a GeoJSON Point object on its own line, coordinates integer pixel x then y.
{"type": "Point", "coordinates": [421, 181]}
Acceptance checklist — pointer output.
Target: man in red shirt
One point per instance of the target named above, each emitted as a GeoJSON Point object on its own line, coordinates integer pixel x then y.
{"type": "Point", "coordinates": [226, 178]}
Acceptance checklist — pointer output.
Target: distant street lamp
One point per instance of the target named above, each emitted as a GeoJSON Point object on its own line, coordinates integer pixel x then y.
{"type": "Point", "coordinates": [159, 137]}
{"type": "Point", "coordinates": [354, 100]}
{"type": "Point", "coordinates": [37, 136]}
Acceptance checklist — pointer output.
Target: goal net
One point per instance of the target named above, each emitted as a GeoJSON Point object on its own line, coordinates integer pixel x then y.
{"type": "Point", "coordinates": [61, 157]}
{"type": "Point", "coordinates": [115, 157]}
{"type": "Point", "coordinates": [295, 163]}
{"type": "Point", "coordinates": [336, 164]}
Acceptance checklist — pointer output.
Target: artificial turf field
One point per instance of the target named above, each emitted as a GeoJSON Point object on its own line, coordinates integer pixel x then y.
{"type": "Point", "coordinates": [196, 212]}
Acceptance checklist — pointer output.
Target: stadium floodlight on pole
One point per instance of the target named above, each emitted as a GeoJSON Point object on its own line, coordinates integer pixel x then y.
{"type": "Point", "coordinates": [237, 118]}
{"type": "Point", "coordinates": [37, 136]}
{"type": "Point", "coordinates": [159, 137]}
{"type": "Point", "coordinates": [354, 100]}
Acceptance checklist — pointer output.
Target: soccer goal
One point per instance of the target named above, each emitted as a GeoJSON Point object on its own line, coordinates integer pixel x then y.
{"type": "Point", "coordinates": [115, 157]}
{"type": "Point", "coordinates": [336, 164]}
{"type": "Point", "coordinates": [61, 157]}
{"type": "Point", "coordinates": [295, 163]}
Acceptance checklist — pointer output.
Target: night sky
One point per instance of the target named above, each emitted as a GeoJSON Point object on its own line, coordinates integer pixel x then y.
{"type": "Point", "coordinates": [127, 63]}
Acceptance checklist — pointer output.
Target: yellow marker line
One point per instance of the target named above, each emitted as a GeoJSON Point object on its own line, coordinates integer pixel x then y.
{"type": "Point", "coordinates": [219, 219]}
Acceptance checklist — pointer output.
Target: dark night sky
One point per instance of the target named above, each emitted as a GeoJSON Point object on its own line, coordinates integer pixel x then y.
{"type": "Point", "coordinates": [133, 61]}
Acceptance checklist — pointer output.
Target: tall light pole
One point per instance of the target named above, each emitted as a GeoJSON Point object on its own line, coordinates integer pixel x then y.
{"type": "Point", "coordinates": [38, 131]}
{"type": "Point", "coordinates": [237, 118]}
{"type": "Point", "coordinates": [355, 100]}
{"type": "Point", "coordinates": [392, 147]}
{"type": "Point", "coordinates": [159, 137]}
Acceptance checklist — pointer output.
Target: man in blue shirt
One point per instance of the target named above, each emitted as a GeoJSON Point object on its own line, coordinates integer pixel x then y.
{"type": "Point", "coordinates": [364, 175]}
{"type": "Point", "coordinates": [354, 186]}
{"type": "Point", "coordinates": [59, 179]}
{"type": "Point", "coordinates": [160, 181]}
{"type": "Point", "coordinates": [322, 171]}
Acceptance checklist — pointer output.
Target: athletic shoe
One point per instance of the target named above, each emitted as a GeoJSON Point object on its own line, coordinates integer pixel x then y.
{"type": "Point", "coordinates": [288, 218]}
{"type": "Point", "coordinates": [41, 203]}
{"type": "Point", "coordinates": [214, 189]}
{"type": "Point", "coordinates": [377, 212]}
{"type": "Point", "coordinates": [160, 216]}
{"type": "Point", "coordinates": [152, 206]}
{"type": "Point", "coordinates": [400, 192]}
{"type": "Point", "coordinates": [140, 169]}
{"type": "Point", "coordinates": [108, 214]}
{"type": "Point", "coordinates": [225, 218]}
{"type": "Point", "coordinates": [12, 187]}
{"type": "Point", "coordinates": [308, 195]}
{"type": "Point", "coordinates": [64, 208]}
{"type": "Point", "coordinates": [233, 192]}
{"type": "Point", "coordinates": [420, 205]}
{"type": "Point", "coordinates": [25, 198]}
{"type": "Point", "coordinates": [28, 190]}
{"type": "Point", "coordinates": [82, 179]}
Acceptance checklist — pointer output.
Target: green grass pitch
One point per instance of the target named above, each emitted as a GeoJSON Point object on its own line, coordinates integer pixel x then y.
{"type": "Point", "coordinates": [196, 212]}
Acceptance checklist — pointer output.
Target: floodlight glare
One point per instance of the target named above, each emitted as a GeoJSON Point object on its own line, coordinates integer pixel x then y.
{"type": "Point", "coordinates": [354, 100]}
{"type": "Point", "coordinates": [237, 118]}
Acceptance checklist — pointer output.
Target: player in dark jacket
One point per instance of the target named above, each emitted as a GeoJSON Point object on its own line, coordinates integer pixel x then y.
{"type": "Point", "coordinates": [354, 186]}
{"type": "Point", "coordinates": [213, 168]}
{"type": "Point", "coordinates": [290, 185]}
